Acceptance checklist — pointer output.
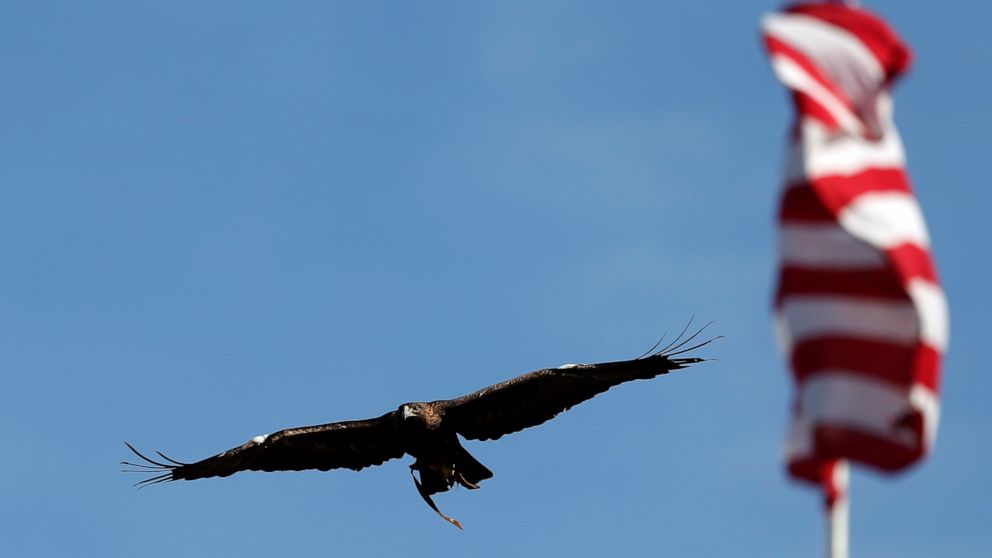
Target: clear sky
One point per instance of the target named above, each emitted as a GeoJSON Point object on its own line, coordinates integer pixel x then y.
{"type": "Point", "coordinates": [220, 219]}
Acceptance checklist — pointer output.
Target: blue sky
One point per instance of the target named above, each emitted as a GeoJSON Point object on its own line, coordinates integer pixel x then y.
{"type": "Point", "coordinates": [222, 219]}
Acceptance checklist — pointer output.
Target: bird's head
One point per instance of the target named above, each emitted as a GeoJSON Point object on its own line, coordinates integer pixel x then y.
{"type": "Point", "coordinates": [410, 410]}
{"type": "Point", "coordinates": [423, 414]}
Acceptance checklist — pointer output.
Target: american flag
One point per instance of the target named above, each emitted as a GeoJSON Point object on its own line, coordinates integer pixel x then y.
{"type": "Point", "coordinates": [859, 311]}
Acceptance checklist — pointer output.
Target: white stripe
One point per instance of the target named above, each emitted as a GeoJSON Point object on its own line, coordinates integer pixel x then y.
{"type": "Point", "coordinates": [783, 340]}
{"type": "Point", "coordinates": [799, 439]}
{"type": "Point", "coordinates": [885, 219]}
{"type": "Point", "coordinates": [927, 403]}
{"type": "Point", "coordinates": [851, 400]}
{"type": "Point", "coordinates": [822, 153]}
{"type": "Point", "coordinates": [931, 305]}
{"type": "Point", "coordinates": [826, 246]}
{"type": "Point", "coordinates": [795, 77]}
{"type": "Point", "coordinates": [841, 56]}
{"type": "Point", "coordinates": [809, 317]}
{"type": "Point", "coordinates": [854, 401]}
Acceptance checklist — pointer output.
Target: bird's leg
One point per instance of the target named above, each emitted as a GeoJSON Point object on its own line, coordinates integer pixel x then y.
{"type": "Point", "coordinates": [464, 482]}
{"type": "Point", "coordinates": [430, 502]}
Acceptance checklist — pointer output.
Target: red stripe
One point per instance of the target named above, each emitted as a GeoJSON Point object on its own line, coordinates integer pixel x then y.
{"type": "Point", "coordinates": [875, 34]}
{"type": "Point", "coordinates": [926, 367]}
{"type": "Point", "coordinates": [899, 365]}
{"type": "Point", "coordinates": [809, 469]}
{"type": "Point", "coordinates": [820, 473]}
{"type": "Point", "coordinates": [837, 192]}
{"type": "Point", "coordinates": [858, 283]}
{"type": "Point", "coordinates": [910, 261]}
{"type": "Point", "coordinates": [837, 442]}
{"type": "Point", "coordinates": [824, 198]}
{"type": "Point", "coordinates": [801, 203]}
{"type": "Point", "coordinates": [810, 108]}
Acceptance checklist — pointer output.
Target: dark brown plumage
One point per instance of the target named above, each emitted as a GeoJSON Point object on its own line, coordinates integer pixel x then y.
{"type": "Point", "coordinates": [428, 431]}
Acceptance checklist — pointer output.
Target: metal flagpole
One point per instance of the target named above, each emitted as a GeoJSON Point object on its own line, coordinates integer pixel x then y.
{"type": "Point", "coordinates": [838, 510]}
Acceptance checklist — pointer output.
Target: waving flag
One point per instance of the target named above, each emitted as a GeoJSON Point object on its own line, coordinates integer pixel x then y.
{"type": "Point", "coordinates": [859, 310]}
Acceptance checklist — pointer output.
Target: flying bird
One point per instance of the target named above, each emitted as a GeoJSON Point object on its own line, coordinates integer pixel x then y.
{"type": "Point", "coordinates": [428, 431]}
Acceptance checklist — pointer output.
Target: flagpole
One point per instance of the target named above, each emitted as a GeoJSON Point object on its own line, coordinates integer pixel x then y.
{"type": "Point", "coordinates": [838, 510]}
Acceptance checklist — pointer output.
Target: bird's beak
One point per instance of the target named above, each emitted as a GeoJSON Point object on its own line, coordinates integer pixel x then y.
{"type": "Point", "coordinates": [408, 412]}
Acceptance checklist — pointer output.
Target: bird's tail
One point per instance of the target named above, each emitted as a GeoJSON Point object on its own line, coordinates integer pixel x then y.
{"type": "Point", "coordinates": [469, 472]}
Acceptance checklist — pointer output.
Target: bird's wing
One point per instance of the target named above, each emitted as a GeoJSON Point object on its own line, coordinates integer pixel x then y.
{"type": "Point", "coordinates": [536, 397]}
{"type": "Point", "coordinates": [352, 445]}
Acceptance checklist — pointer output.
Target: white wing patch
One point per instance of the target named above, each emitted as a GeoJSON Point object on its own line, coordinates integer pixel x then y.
{"type": "Point", "coordinates": [567, 366]}
{"type": "Point", "coordinates": [259, 439]}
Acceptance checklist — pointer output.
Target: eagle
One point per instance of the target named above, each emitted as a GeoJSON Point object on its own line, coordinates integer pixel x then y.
{"type": "Point", "coordinates": [427, 431]}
